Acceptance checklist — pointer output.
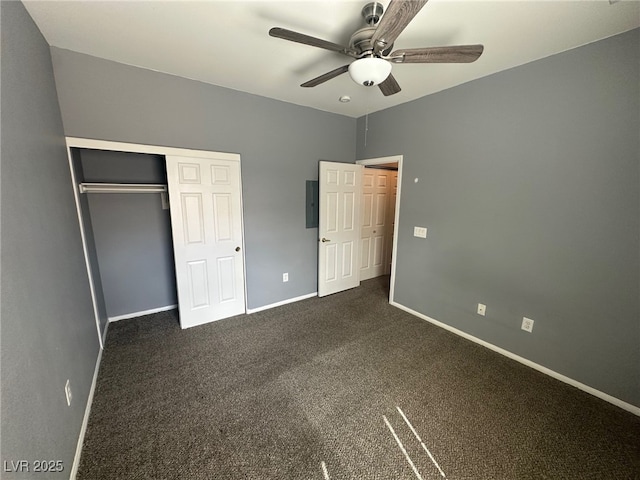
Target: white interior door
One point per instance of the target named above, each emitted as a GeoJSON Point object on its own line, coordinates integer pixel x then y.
{"type": "Point", "coordinates": [339, 190]}
{"type": "Point", "coordinates": [376, 225]}
{"type": "Point", "coordinates": [206, 219]}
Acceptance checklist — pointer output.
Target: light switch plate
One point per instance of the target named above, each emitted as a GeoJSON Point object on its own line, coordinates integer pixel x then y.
{"type": "Point", "coordinates": [420, 232]}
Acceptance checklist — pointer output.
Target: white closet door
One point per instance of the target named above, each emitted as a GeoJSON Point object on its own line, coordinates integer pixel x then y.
{"type": "Point", "coordinates": [206, 219]}
{"type": "Point", "coordinates": [339, 227]}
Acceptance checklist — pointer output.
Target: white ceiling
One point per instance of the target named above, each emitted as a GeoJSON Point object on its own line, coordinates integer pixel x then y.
{"type": "Point", "coordinates": [226, 43]}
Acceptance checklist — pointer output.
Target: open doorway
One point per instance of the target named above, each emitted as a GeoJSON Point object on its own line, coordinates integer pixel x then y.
{"type": "Point", "coordinates": [380, 208]}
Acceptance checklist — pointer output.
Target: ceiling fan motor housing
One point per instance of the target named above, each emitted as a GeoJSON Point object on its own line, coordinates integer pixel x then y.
{"type": "Point", "coordinates": [361, 39]}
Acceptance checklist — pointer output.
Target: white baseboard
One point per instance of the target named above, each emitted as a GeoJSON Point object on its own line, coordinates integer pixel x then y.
{"type": "Point", "coordinates": [558, 376]}
{"type": "Point", "coordinates": [283, 302]}
{"type": "Point", "coordinates": [87, 411]}
{"type": "Point", "coordinates": [140, 314]}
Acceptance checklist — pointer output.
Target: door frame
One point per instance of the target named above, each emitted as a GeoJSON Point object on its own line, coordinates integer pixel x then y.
{"type": "Point", "coordinates": [381, 161]}
{"type": "Point", "coordinates": [92, 144]}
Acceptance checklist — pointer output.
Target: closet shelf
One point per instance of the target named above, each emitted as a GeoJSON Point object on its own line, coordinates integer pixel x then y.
{"type": "Point", "coordinates": [122, 188]}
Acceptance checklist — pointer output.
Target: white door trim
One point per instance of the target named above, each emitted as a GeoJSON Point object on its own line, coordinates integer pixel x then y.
{"type": "Point", "coordinates": [151, 149]}
{"type": "Point", "coordinates": [394, 251]}
{"type": "Point", "coordinates": [94, 144]}
{"type": "Point", "coordinates": [85, 249]}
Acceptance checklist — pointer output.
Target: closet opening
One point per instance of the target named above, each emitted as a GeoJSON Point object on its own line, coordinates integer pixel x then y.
{"type": "Point", "coordinates": [381, 180]}
{"type": "Point", "coordinates": [126, 224]}
{"type": "Point", "coordinates": [146, 255]}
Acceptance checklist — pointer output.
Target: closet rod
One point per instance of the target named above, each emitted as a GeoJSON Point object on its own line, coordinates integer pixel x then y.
{"type": "Point", "coordinates": [122, 188]}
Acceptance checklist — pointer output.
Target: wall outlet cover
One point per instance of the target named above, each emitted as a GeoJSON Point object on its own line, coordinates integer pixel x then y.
{"type": "Point", "coordinates": [527, 324]}
{"type": "Point", "coordinates": [482, 309]}
{"type": "Point", "coordinates": [420, 232]}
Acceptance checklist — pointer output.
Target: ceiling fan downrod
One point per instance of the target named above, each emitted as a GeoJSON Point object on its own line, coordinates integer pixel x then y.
{"type": "Point", "coordinates": [372, 12]}
{"type": "Point", "coordinates": [361, 39]}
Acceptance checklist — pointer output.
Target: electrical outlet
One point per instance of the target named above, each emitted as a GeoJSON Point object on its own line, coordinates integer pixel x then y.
{"type": "Point", "coordinates": [67, 392]}
{"type": "Point", "coordinates": [482, 309]}
{"type": "Point", "coordinates": [420, 232]}
{"type": "Point", "coordinates": [285, 277]}
{"type": "Point", "coordinates": [527, 324]}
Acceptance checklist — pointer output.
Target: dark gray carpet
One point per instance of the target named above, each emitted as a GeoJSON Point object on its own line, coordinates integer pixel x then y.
{"type": "Point", "coordinates": [274, 394]}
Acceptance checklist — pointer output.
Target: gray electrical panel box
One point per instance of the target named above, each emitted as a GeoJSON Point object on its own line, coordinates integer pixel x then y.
{"type": "Point", "coordinates": [312, 204]}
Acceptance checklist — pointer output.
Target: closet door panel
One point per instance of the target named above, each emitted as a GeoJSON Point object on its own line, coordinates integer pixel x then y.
{"type": "Point", "coordinates": [198, 283]}
{"type": "Point", "coordinates": [192, 218]}
{"type": "Point", "coordinates": [206, 215]}
{"type": "Point", "coordinates": [223, 217]}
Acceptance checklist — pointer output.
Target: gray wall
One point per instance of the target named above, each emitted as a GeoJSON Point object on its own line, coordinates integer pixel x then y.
{"type": "Point", "coordinates": [132, 233]}
{"type": "Point", "coordinates": [280, 145]}
{"type": "Point", "coordinates": [48, 327]}
{"type": "Point", "coordinates": [529, 185]}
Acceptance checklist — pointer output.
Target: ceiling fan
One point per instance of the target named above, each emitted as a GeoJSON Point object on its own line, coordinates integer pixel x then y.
{"type": "Point", "coordinates": [371, 47]}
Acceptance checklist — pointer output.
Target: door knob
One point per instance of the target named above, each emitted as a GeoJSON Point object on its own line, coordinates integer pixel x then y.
{"type": "Point", "coordinates": [325, 240]}
{"type": "Point", "coordinates": [237, 249]}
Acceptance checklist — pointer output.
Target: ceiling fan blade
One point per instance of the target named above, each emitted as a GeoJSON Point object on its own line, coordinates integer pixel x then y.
{"type": "Point", "coordinates": [454, 54]}
{"type": "Point", "coordinates": [389, 86]}
{"type": "Point", "coordinates": [313, 41]}
{"type": "Point", "coordinates": [395, 19]}
{"type": "Point", "coordinates": [327, 76]}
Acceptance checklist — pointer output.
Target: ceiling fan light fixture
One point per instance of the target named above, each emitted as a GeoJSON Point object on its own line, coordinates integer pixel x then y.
{"type": "Point", "coordinates": [369, 71]}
